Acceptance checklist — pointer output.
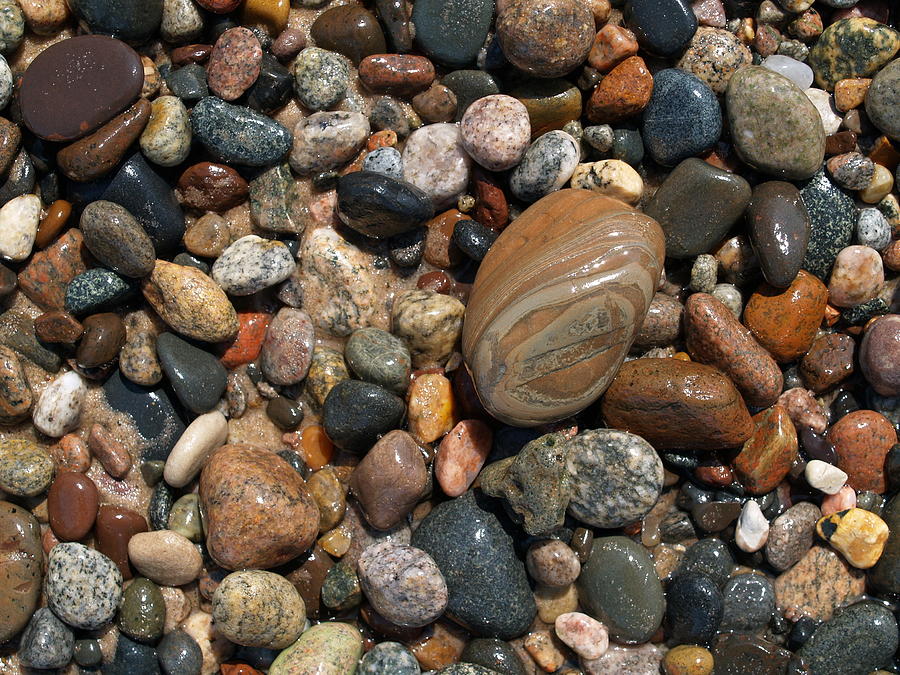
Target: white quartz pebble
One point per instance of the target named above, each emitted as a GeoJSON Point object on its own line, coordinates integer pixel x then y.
{"type": "Point", "coordinates": [585, 635]}
{"type": "Point", "coordinates": [19, 220]}
{"type": "Point", "coordinates": [435, 161]}
{"type": "Point", "coordinates": [58, 410]}
{"type": "Point", "coordinates": [752, 530]}
{"type": "Point", "coordinates": [824, 103]}
{"type": "Point", "coordinates": [206, 433]}
{"type": "Point", "coordinates": [796, 71]}
{"type": "Point", "coordinates": [825, 477]}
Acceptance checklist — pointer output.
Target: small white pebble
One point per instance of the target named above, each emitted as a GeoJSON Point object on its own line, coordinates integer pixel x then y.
{"type": "Point", "coordinates": [825, 477]}
{"type": "Point", "coordinates": [752, 531]}
{"type": "Point", "coordinates": [585, 635]}
{"type": "Point", "coordinates": [19, 220]}
{"type": "Point", "coordinates": [824, 103]}
{"type": "Point", "coordinates": [58, 410]}
{"type": "Point", "coordinates": [796, 71]}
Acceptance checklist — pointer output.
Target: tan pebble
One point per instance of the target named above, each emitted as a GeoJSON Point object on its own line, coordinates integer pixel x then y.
{"type": "Point", "coordinates": [178, 607]}
{"type": "Point", "coordinates": [879, 187]}
{"type": "Point", "coordinates": [544, 648]}
{"type": "Point", "coordinates": [45, 17]}
{"type": "Point", "coordinates": [857, 276]}
{"type": "Point", "coordinates": [584, 634]}
{"type": "Point", "coordinates": [214, 646]}
{"type": "Point", "coordinates": [551, 602]}
{"type": "Point", "coordinates": [610, 177]}
{"type": "Point", "coordinates": [858, 534]}
{"type": "Point", "coordinates": [70, 453]}
{"type": "Point", "coordinates": [165, 557]}
{"type": "Point", "coordinates": [850, 92]}
{"type": "Point", "coordinates": [688, 660]}
{"type": "Point", "coordinates": [430, 409]}
{"type": "Point", "coordinates": [206, 433]}
{"type": "Point", "coordinates": [111, 453]}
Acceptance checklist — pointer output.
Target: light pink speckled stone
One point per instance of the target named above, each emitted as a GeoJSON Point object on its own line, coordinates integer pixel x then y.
{"type": "Point", "coordinates": [803, 409]}
{"type": "Point", "coordinates": [585, 635]}
{"type": "Point", "coordinates": [435, 161]}
{"type": "Point", "coordinates": [461, 455]}
{"type": "Point", "coordinates": [495, 131]}
{"type": "Point", "coordinates": [857, 276]}
{"type": "Point", "coordinates": [845, 498]}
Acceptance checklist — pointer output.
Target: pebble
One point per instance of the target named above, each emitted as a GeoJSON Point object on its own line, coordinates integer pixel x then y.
{"type": "Point", "coordinates": [461, 536]}
{"type": "Point", "coordinates": [403, 584]}
{"type": "Point", "coordinates": [714, 55]}
{"type": "Point", "coordinates": [197, 377]}
{"type": "Point", "coordinates": [779, 231]}
{"type": "Point", "coordinates": [58, 408]}
{"type": "Point", "coordinates": [131, 657]}
{"type": "Point", "coordinates": [190, 302]}
{"type": "Point", "coordinates": [17, 333]}
{"type": "Point", "coordinates": [211, 187]}
{"type": "Point", "coordinates": [881, 92]}
{"type": "Point", "coordinates": [824, 104]}
{"type": "Point", "coordinates": [437, 104]}
{"type": "Point", "coordinates": [877, 353]}
{"type": "Point", "coordinates": [776, 128]}
{"type": "Point", "coordinates": [694, 608]}
{"type": "Point", "coordinates": [546, 166]}
{"type": "Point", "coordinates": [496, 655]}
{"type": "Point", "coordinates": [350, 30]}
{"type": "Point", "coordinates": [181, 21]}
{"type": "Point", "coordinates": [467, 21]}
{"type": "Point", "coordinates": [397, 74]}
{"type": "Point", "coordinates": [828, 362]}
{"type": "Point", "coordinates": [495, 131]}
{"type": "Point", "coordinates": [796, 71]}
{"type": "Point", "coordinates": [858, 534]}
{"type": "Point", "coordinates": [379, 206]}
{"type": "Point", "coordinates": [673, 206]}
{"type": "Point", "coordinates": [388, 657]}
{"type": "Point", "coordinates": [116, 239]}
{"type": "Point", "coordinates": [234, 63]}
{"type": "Point", "coordinates": [251, 264]}
{"type": "Point", "coordinates": [83, 586]}
{"type": "Point", "coordinates": [386, 161]}
{"type": "Point", "coordinates": [389, 480]}
{"type": "Point", "coordinates": [179, 654]}
{"type": "Point", "coordinates": [767, 456]}
{"type": "Point", "coordinates": [22, 559]}
{"type": "Point", "coordinates": [376, 356]}
{"type": "Point", "coordinates": [185, 518]}
{"type": "Point", "coordinates": [26, 469]}
{"type": "Point", "coordinates": [273, 88]}
{"type": "Point", "coordinates": [688, 660]}
{"type": "Point", "coordinates": [862, 440]}
{"type": "Point", "coordinates": [328, 648]}
{"type": "Point", "coordinates": [18, 227]}
{"type": "Point", "coordinates": [15, 393]}
{"type": "Point", "coordinates": [238, 135]}
{"type": "Point", "coordinates": [749, 601]}
{"type": "Point", "coordinates": [143, 611]}
{"type": "Point", "coordinates": [46, 642]}
{"type": "Point", "coordinates": [791, 535]}
{"type": "Point", "coordinates": [114, 528]}
{"type": "Point", "coordinates": [287, 348]}
{"type": "Point", "coordinates": [138, 361]}
{"type": "Point", "coordinates": [664, 27]}
{"type": "Point", "coordinates": [855, 47]}
{"type": "Point", "coordinates": [586, 636]}
{"type": "Point", "coordinates": [188, 83]}
{"type": "Point", "coordinates": [321, 78]}
{"type": "Point", "coordinates": [697, 125]}
{"type": "Point", "coordinates": [435, 161]}
{"type": "Point", "coordinates": [96, 290]}
{"type": "Point", "coordinates": [856, 277]}
{"type": "Point", "coordinates": [258, 609]}
{"type": "Point", "coordinates": [327, 140]}
{"type": "Point", "coordinates": [429, 322]}
{"type": "Point", "coordinates": [752, 529]}
{"type": "Point", "coordinates": [851, 170]}
{"type": "Point", "coordinates": [72, 504]}
{"type": "Point", "coordinates": [873, 229]}
{"type": "Point", "coordinates": [610, 177]}
{"type": "Point", "coordinates": [242, 488]}
{"type": "Point", "coordinates": [832, 217]}
{"type": "Point", "coordinates": [165, 557]}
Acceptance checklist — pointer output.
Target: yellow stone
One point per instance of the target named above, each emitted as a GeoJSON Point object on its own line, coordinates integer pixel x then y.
{"type": "Point", "coordinates": [858, 534]}
{"type": "Point", "coordinates": [546, 650]}
{"type": "Point", "coordinates": [273, 14]}
{"type": "Point", "coordinates": [850, 93]}
{"type": "Point", "coordinates": [337, 541]}
{"type": "Point", "coordinates": [610, 177]}
{"type": "Point", "coordinates": [551, 602]}
{"type": "Point", "coordinates": [688, 660]}
{"type": "Point", "coordinates": [890, 209]}
{"type": "Point", "coordinates": [431, 409]}
{"type": "Point", "coordinates": [879, 187]}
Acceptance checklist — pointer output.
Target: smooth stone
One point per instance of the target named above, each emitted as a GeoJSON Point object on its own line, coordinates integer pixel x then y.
{"type": "Point", "coordinates": [873, 229]}
{"type": "Point", "coordinates": [12, 26]}
{"type": "Point", "coordinates": [796, 71]}
{"type": "Point", "coordinates": [776, 128]}
{"type": "Point", "coordinates": [468, 86]}
{"type": "Point", "coordinates": [388, 657]}
{"type": "Point", "coordinates": [376, 356]}
{"type": "Point", "coordinates": [398, 74]}
{"type": "Point", "coordinates": [854, 47]}
{"type": "Point", "coordinates": [179, 654]}
{"type": "Point", "coordinates": [46, 642]}
{"type": "Point", "coordinates": [324, 141]}
{"type": "Point", "coordinates": [522, 394]}
{"type": "Point", "coordinates": [242, 488]}
{"type": "Point", "coordinates": [779, 231]}
{"type": "Point", "coordinates": [386, 161]}
{"type": "Point", "coordinates": [767, 456]}
{"type": "Point", "coordinates": [429, 323]}
{"type": "Point", "coordinates": [181, 22]}
{"type": "Point", "coordinates": [546, 166]}
{"type": "Point", "coordinates": [72, 504]}
{"type": "Point", "coordinates": [133, 657]}
{"type": "Point", "coordinates": [212, 187]}
{"type": "Point", "coordinates": [379, 206]}
{"type": "Point", "coordinates": [21, 560]}
{"type": "Point", "coordinates": [19, 219]}
{"type": "Point", "coordinates": [15, 393]}
{"type": "Point", "coordinates": [710, 557]}
{"type": "Point", "coordinates": [96, 290]}
{"type": "Point", "coordinates": [138, 361]}
{"type": "Point", "coordinates": [355, 413]}
{"type": "Point", "coordinates": [791, 535]}
{"type": "Point", "coordinates": [17, 333]}
{"type": "Point", "coordinates": [53, 96]}
{"type": "Point", "coordinates": [862, 440]}
{"type": "Point", "coordinates": [451, 33]}
{"type": "Point", "coordinates": [616, 477]}
{"type": "Point", "coordinates": [142, 613]}
{"type": "Point", "coordinates": [275, 202]}
{"type": "Point", "coordinates": [234, 63]}
{"type": "Point", "coordinates": [875, 639]}
{"type": "Point", "coordinates": [330, 648]}
{"type": "Point", "coordinates": [116, 239]}
{"type": "Point", "coordinates": [114, 528]}
{"type": "Point", "coordinates": [258, 609]}
{"type": "Point", "coordinates": [619, 587]}
{"type": "Point", "coordinates": [881, 98]}
{"type": "Point", "coordinates": [752, 529]}
{"type": "Point", "coordinates": [273, 87]}
{"type": "Point", "coordinates": [151, 411]}
{"type": "Point", "coordinates": [487, 584]}
{"type": "Point", "coordinates": [435, 161]}
{"type": "Point", "coordinates": [856, 277]}
{"type": "Point", "coordinates": [877, 353]}
{"type": "Point", "coordinates": [496, 655]}
{"type": "Point", "coordinates": [130, 20]}
{"type": "Point", "coordinates": [321, 78]}
{"type": "Point", "coordinates": [148, 197]}
{"type": "Point", "coordinates": [682, 119]}
{"type": "Point", "coordinates": [164, 556]}
{"type": "Point", "coordinates": [473, 238]}
{"type": "Point", "coordinates": [741, 654]}
{"type": "Point", "coordinates": [185, 518]}
{"type": "Point", "coordinates": [251, 264]}
{"type": "Point", "coordinates": [83, 586]}
{"type": "Point", "coordinates": [550, 103]}
{"type": "Point", "coordinates": [818, 583]}
{"type": "Point", "coordinates": [700, 404]}
{"type": "Point", "coordinates": [675, 207]}
{"type": "Point", "coordinates": [87, 652]}
{"type": "Point", "coordinates": [664, 27]}
{"type": "Point", "coordinates": [350, 30]}
{"type": "Point", "coordinates": [188, 83]}
{"type": "Point", "coordinates": [58, 408]}
{"type": "Point", "coordinates": [749, 602]}
{"type": "Point", "coordinates": [197, 376]}
{"type": "Point", "coordinates": [237, 135]}
{"type": "Point", "coordinates": [832, 217]}
{"type": "Point", "coordinates": [495, 131]}
{"type": "Point", "coordinates": [694, 608]}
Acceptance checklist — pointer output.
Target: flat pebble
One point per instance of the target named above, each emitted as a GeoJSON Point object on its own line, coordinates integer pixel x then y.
{"type": "Point", "coordinates": [251, 264]}
{"type": "Point", "coordinates": [329, 648]}
{"type": "Point", "coordinates": [856, 277]}
{"type": "Point", "coordinates": [165, 557]}
{"type": "Point", "coordinates": [179, 654]}
{"type": "Point", "coordinates": [238, 135]}
{"type": "Point", "coordinates": [116, 239]}
{"type": "Point", "coordinates": [749, 601]}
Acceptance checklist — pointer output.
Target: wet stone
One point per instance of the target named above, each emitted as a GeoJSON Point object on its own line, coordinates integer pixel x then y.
{"type": "Point", "coordinates": [196, 375]}
{"type": "Point", "coordinates": [832, 217]}
{"type": "Point", "coordinates": [116, 239]}
{"type": "Point", "coordinates": [238, 135]}
{"type": "Point", "coordinates": [467, 21]}
{"type": "Point", "coordinates": [321, 78]}
{"type": "Point", "coordinates": [377, 356]}
{"type": "Point", "coordinates": [83, 586]}
{"type": "Point", "coordinates": [96, 290]}
{"type": "Point", "coordinates": [188, 83]}
{"type": "Point", "coordinates": [46, 642]}
{"type": "Point", "coordinates": [663, 27]}
{"type": "Point", "coordinates": [327, 140]}
{"type": "Point", "coordinates": [546, 166]}
{"type": "Point", "coordinates": [234, 63]}
{"type": "Point", "coordinates": [21, 559]}
{"type": "Point", "coordinates": [273, 86]}
{"type": "Point", "coordinates": [378, 205]}
{"type": "Point", "coordinates": [350, 30]}
{"type": "Point", "coordinates": [179, 653]}
{"type": "Point", "coordinates": [749, 602]}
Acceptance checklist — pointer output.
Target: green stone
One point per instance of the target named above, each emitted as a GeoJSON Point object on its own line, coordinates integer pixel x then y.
{"type": "Point", "coordinates": [550, 103]}
{"type": "Point", "coordinates": [855, 47]}
{"type": "Point", "coordinates": [330, 648]}
{"type": "Point", "coordinates": [341, 590]}
{"type": "Point", "coordinates": [26, 470]}
{"type": "Point", "coordinates": [276, 203]}
{"type": "Point", "coordinates": [185, 518]}
{"type": "Point", "coordinates": [152, 472]}
{"type": "Point", "coordinates": [378, 357]}
{"type": "Point", "coordinates": [881, 104]}
{"type": "Point", "coordinates": [142, 613]}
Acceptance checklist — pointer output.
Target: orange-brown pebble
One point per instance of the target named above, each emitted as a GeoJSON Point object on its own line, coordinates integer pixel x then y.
{"type": "Point", "coordinates": [612, 45]}
{"type": "Point", "coordinates": [238, 669]}
{"type": "Point", "coordinates": [688, 660]}
{"type": "Point", "coordinates": [850, 93]}
{"type": "Point", "coordinates": [315, 447]}
{"type": "Point", "coordinates": [440, 251]}
{"type": "Point", "coordinates": [431, 409]}
{"type": "Point", "coordinates": [72, 504]}
{"type": "Point", "coordinates": [70, 453]}
{"type": "Point", "coordinates": [439, 645]}
{"type": "Point", "coordinates": [891, 256]}
{"type": "Point", "coordinates": [546, 650]}
{"type": "Point", "coordinates": [767, 457]}
{"type": "Point", "coordinates": [715, 337]}
{"type": "Point", "coordinates": [461, 455]}
{"type": "Point", "coordinates": [862, 440]}
{"type": "Point", "coordinates": [247, 345]}
{"type": "Point", "coordinates": [785, 321]}
{"type": "Point", "coordinates": [883, 152]}
{"type": "Point", "coordinates": [397, 74]}
{"type": "Point", "coordinates": [208, 236]}
{"type": "Point", "coordinates": [57, 215]}
{"type": "Point", "coordinates": [111, 453]}
{"type": "Point", "coordinates": [386, 138]}
{"type": "Point", "coordinates": [624, 92]}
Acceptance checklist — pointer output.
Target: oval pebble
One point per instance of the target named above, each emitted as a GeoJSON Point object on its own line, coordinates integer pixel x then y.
{"type": "Point", "coordinates": [166, 140]}
{"type": "Point", "coordinates": [58, 409]}
{"type": "Point", "coordinates": [495, 131]}
{"type": "Point", "coordinates": [258, 609]}
{"type": "Point", "coordinates": [83, 586]}
{"type": "Point", "coordinates": [326, 140]}
{"type": "Point", "coordinates": [321, 78]}
{"type": "Point", "coordinates": [547, 165]}
{"type": "Point", "coordinates": [251, 264]}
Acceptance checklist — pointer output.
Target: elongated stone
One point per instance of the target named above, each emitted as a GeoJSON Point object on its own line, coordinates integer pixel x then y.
{"type": "Point", "coordinates": [556, 305]}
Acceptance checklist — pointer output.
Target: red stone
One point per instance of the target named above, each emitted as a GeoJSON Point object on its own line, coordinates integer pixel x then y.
{"type": "Point", "coordinates": [72, 504]}
{"type": "Point", "coordinates": [248, 343]}
{"type": "Point", "coordinates": [57, 327]}
{"type": "Point", "coordinates": [234, 63]}
{"type": "Point", "coordinates": [397, 74]}
{"type": "Point", "coordinates": [491, 207]}
{"type": "Point", "coordinates": [45, 278]}
{"type": "Point", "coordinates": [212, 187]}
{"type": "Point", "coordinates": [114, 529]}
{"type": "Point", "coordinates": [862, 440]}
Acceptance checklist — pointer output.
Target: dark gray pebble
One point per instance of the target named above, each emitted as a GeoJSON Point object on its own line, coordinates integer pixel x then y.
{"type": "Point", "coordinates": [197, 376]}
{"type": "Point", "coordinates": [95, 291]}
{"type": "Point", "coordinates": [238, 135]}
{"type": "Point", "coordinates": [46, 641]}
{"type": "Point", "coordinates": [179, 654]}
{"type": "Point", "coordinates": [694, 608]}
{"type": "Point", "coordinates": [378, 205]}
{"type": "Point", "coordinates": [356, 413]}
{"type": "Point", "coordinates": [473, 238]}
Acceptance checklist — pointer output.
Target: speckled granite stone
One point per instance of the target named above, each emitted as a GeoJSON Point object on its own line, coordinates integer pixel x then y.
{"type": "Point", "coordinates": [83, 586]}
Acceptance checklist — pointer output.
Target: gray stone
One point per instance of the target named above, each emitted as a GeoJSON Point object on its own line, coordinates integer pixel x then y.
{"type": "Point", "coordinates": [547, 165]}
{"type": "Point", "coordinates": [251, 264]}
{"type": "Point", "coordinates": [749, 603]}
{"type": "Point", "coordinates": [376, 356]}
{"type": "Point", "coordinates": [882, 97]}
{"type": "Point", "coordinates": [321, 78]}
{"type": "Point", "coordinates": [46, 641]}
{"type": "Point", "coordinates": [388, 657]}
{"type": "Point", "coordinates": [238, 135]}
{"type": "Point", "coordinates": [83, 586]}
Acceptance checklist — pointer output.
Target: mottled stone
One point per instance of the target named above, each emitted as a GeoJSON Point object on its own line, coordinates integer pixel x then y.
{"type": "Point", "coordinates": [879, 97]}
{"type": "Point", "coordinates": [142, 613]}
{"type": "Point", "coordinates": [327, 140]}
{"type": "Point", "coordinates": [251, 264]}
{"type": "Point", "coordinates": [791, 535]}
{"type": "Point", "coordinates": [855, 47]}
{"type": "Point", "coordinates": [20, 560]}
{"type": "Point", "coordinates": [862, 440]}
{"type": "Point", "coordinates": [435, 161]}
{"type": "Point", "coordinates": [258, 609]}
{"type": "Point", "coordinates": [321, 78]}
{"type": "Point", "coordinates": [714, 55]}
{"type": "Point", "coordinates": [116, 239]}
{"type": "Point", "coordinates": [234, 63]}
{"type": "Point", "coordinates": [546, 166]}
{"type": "Point", "coordinates": [495, 131]}
{"type": "Point", "coordinates": [624, 92]}
{"type": "Point", "coordinates": [15, 393]}
{"type": "Point", "coordinates": [329, 648]}
{"type": "Point", "coordinates": [46, 642]}
{"type": "Point", "coordinates": [238, 135]}
{"type": "Point", "coordinates": [376, 356]}
{"type": "Point", "coordinates": [832, 217]}
{"type": "Point", "coordinates": [83, 586]}
{"type": "Point", "coordinates": [767, 456]}
{"type": "Point", "coordinates": [58, 408]}
{"type": "Point", "coordinates": [429, 322]}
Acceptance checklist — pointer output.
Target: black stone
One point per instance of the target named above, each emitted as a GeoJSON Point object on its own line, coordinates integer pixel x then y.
{"type": "Point", "coordinates": [749, 603]}
{"type": "Point", "coordinates": [779, 230]}
{"type": "Point", "coordinates": [272, 88]}
{"type": "Point", "coordinates": [452, 31]}
{"type": "Point", "coordinates": [801, 631]}
{"type": "Point", "coordinates": [188, 260]}
{"type": "Point", "coordinates": [694, 608]}
{"type": "Point", "coordinates": [737, 654]}
{"type": "Point", "coordinates": [129, 20]}
{"type": "Point", "coordinates": [816, 446]}
{"type": "Point", "coordinates": [161, 500]}
{"type": "Point", "coordinates": [197, 376]}
{"type": "Point", "coordinates": [379, 206]}
{"type": "Point", "coordinates": [832, 218]}
{"type": "Point", "coordinates": [864, 311]}
{"type": "Point", "coordinates": [885, 576]}
{"type": "Point", "coordinates": [238, 135]}
{"type": "Point", "coordinates": [151, 411]}
{"type": "Point", "coordinates": [133, 657]}
{"type": "Point", "coordinates": [146, 196]}
{"type": "Point", "coordinates": [356, 413]}
{"type": "Point", "coordinates": [179, 654]}
{"type": "Point", "coordinates": [406, 249]}
{"type": "Point", "coordinates": [20, 179]}
{"type": "Point", "coordinates": [628, 146]}
{"type": "Point", "coordinates": [469, 86]}
{"type": "Point", "coordinates": [285, 413]}
{"type": "Point", "coordinates": [710, 557]}
{"type": "Point", "coordinates": [843, 404]}
{"type": "Point", "coordinates": [495, 654]}
{"type": "Point", "coordinates": [488, 587]}
{"type": "Point", "coordinates": [188, 82]}
{"type": "Point", "coordinates": [664, 27]}
{"type": "Point", "coordinates": [473, 238]}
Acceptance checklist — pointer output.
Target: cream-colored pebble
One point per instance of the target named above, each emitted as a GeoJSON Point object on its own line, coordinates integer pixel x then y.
{"type": "Point", "coordinates": [165, 557]}
{"type": "Point", "coordinates": [19, 220]}
{"type": "Point", "coordinates": [206, 433]}
{"type": "Point", "coordinates": [610, 177]}
{"type": "Point", "coordinates": [879, 187]}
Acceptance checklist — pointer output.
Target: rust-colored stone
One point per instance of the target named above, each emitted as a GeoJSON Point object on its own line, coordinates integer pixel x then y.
{"type": "Point", "coordinates": [862, 440]}
{"type": "Point", "coordinates": [45, 278]}
{"type": "Point", "coordinates": [212, 187]}
{"type": "Point", "coordinates": [396, 74]}
{"type": "Point", "coordinates": [767, 456]}
{"type": "Point", "coordinates": [624, 92]}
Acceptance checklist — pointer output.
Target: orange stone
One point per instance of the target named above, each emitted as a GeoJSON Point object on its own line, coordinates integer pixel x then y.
{"type": "Point", "coordinates": [461, 455]}
{"type": "Point", "coordinates": [440, 251]}
{"type": "Point", "coordinates": [315, 447]}
{"type": "Point", "coordinates": [51, 224]}
{"type": "Point", "coordinates": [785, 321]}
{"type": "Point", "coordinates": [862, 440]}
{"type": "Point", "coordinates": [45, 278]}
{"type": "Point", "coordinates": [248, 343]}
{"type": "Point", "coordinates": [430, 407]}
{"type": "Point", "coordinates": [440, 645]}
{"type": "Point", "coordinates": [766, 458]}
{"type": "Point", "coordinates": [386, 138]}
{"type": "Point", "coordinates": [883, 152]}
{"type": "Point", "coordinates": [624, 92]}
{"type": "Point", "coordinates": [850, 93]}
{"type": "Point", "coordinates": [612, 45]}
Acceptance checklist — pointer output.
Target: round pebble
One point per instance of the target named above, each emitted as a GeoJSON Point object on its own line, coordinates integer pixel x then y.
{"type": "Point", "coordinates": [83, 586]}
{"type": "Point", "coordinates": [258, 609]}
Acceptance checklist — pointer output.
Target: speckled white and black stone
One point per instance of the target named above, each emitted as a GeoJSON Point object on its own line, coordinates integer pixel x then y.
{"type": "Point", "coordinates": [83, 586]}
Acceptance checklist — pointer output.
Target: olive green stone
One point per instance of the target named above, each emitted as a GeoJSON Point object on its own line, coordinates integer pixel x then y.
{"type": "Point", "coordinates": [276, 203]}
{"type": "Point", "coordinates": [152, 471]}
{"type": "Point", "coordinates": [26, 470]}
{"type": "Point", "coordinates": [775, 127]}
{"type": "Point", "coordinates": [325, 649]}
{"type": "Point", "coordinates": [497, 655]}
{"type": "Point", "coordinates": [855, 47]}
{"type": "Point", "coordinates": [550, 103]}
{"type": "Point", "coordinates": [378, 357]}
{"type": "Point", "coordinates": [885, 576]}
{"type": "Point", "coordinates": [341, 590]}
{"type": "Point", "coordinates": [142, 613]}
{"type": "Point", "coordinates": [619, 587]}
{"type": "Point", "coordinates": [185, 518]}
